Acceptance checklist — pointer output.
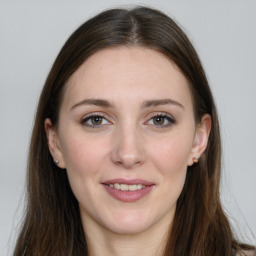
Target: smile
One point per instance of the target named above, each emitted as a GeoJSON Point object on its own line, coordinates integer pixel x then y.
{"type": "Point", "coordinates": [125, 187]}
{"type": "Point", "coordinates": [128, 190]}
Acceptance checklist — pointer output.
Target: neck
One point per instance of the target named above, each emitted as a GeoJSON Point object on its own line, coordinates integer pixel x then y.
{"type": "Point", "coordinates": [104, 242]}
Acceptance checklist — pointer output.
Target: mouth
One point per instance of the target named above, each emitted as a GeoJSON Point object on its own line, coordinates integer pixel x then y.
{"type": "Point", "coordinates": [128, 190]}
{"type": "Point", "coordinates": [126, 187]}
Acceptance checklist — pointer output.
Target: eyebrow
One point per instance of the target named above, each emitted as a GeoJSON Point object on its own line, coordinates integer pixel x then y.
{"type": "Point", "coordinates": [146, 104]}
{"type": "Point", "coordinates": [95, 102]}
{"type": "Point", "coordinates": [154, 103]}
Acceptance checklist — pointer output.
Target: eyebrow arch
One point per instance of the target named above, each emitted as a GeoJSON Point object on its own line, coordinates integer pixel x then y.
{"type": "Point", "coordinates": [154, 103]}
{"type": "Point", "coordinates": [95, 102]}
{"type": "Point", "coordinates": [146, 104]}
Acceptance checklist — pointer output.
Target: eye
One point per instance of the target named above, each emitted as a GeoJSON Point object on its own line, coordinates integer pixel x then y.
{"type": "Point", "coordinates": [161, 120]}
{"type": "Point", "coordinates": [94, 121]}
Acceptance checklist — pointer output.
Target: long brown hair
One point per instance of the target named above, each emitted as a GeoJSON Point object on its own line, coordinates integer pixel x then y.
{"type": "Point", "coordinates": [52, 224]}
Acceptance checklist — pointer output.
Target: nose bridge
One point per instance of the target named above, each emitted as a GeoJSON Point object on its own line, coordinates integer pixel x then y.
{"type": "Point", "coordinates": [128, 147]}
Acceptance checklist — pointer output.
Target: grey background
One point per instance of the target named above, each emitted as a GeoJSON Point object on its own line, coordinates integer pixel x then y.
{"type": "Point", "coordinates": [224, 34]}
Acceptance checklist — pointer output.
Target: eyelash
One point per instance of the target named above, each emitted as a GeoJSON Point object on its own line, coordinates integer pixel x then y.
{"type": "Point", "coordinates": [86, 119]}
{"type": "Point", "coordinates": [165, 117]}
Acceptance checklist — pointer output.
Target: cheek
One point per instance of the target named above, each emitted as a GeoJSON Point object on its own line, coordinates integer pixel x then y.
{"type": "Point", "coordinates": [170, 158]}
{"type": "Point", "coordinates": [84, 159]}
{"type": "Point", "coordinates": [83, 156]}
{"type": "Point", "coordinates": [171, 155]}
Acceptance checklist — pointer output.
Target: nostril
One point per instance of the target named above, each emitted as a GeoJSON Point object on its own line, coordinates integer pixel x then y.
{"type": "Point", "coordinates": [127, 150]}
{"type": "Point", "coordinates": [128, 161]}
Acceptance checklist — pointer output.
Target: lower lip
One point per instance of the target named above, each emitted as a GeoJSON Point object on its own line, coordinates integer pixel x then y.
{"type": "Point", "coordinates": [128, 196]}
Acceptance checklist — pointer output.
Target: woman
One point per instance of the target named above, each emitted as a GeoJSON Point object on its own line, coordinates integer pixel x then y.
{"type": "Point", "coordinates": [125, 155]}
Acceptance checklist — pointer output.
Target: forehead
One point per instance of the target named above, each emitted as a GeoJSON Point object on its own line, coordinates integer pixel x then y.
{"type": "Point", "coordinates": [128, 73]}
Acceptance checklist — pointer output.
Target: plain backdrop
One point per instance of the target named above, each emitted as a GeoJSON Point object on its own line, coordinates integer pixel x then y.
{"type": "Point", "coordinates": [224, 34]}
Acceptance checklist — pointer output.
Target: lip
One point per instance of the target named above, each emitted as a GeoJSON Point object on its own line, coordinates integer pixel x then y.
{"type": "Point", "coordinates": [128, 196]}
{"type": "Point", "coordinates": [129, 182]}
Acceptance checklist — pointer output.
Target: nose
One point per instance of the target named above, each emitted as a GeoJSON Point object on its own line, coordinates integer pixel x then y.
{"type": "Point", "coordinates": [128, 149]}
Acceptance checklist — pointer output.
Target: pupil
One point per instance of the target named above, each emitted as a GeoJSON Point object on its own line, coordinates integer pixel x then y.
{"type": "Point", "coordinates": [97, 120]}
{"type": "Point", "coordinates": [159, 120]}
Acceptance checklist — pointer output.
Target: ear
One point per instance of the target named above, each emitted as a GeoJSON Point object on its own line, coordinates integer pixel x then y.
{"type": "Point", "coordinates": [53, 143]}
{"type": "Point", "coordinates": [201, 139]}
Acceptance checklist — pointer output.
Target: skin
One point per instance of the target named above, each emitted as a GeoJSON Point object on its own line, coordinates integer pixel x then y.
{"type": "Point", "coordinates": [129, 144]}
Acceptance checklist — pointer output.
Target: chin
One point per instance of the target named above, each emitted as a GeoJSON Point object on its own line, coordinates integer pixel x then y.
{"type": "Point", "coordinates": [129, 224]}
{"type": "Point", "coordinates": [129, 229]}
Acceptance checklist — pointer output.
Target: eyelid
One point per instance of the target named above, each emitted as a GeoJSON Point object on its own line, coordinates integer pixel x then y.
{"type": "Point", "coordinates": [94, 114]}
{"type": "Point", "coordinates": [168, 116]}
{"type": "Point", "coordinates": [171, 120]}
{"type": "Point", "coordinates": [102, 114]}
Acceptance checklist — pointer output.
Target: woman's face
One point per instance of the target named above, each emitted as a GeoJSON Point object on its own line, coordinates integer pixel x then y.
{"type": "Point", "coordinates": [126, 135]}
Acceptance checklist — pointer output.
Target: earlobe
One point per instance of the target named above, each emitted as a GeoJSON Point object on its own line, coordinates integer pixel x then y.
{"type": "Point", "coordinates": [201, 139]}
{"type": "Point", "coordinates": [53, 143]}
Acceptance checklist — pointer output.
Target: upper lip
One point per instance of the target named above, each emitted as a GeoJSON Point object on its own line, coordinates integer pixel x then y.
{"type": "Point", "coordinates": [128, 182]}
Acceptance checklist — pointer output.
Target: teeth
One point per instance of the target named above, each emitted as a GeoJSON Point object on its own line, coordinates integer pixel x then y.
{"type": "Point", "coordinates": [116, 186]}
{"type": "Point", "coordinates": [133, 187]}
{"type": "Point", "coordinates": [125, 187]}
{"type": "Point", "coordinates": [140, 186]}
